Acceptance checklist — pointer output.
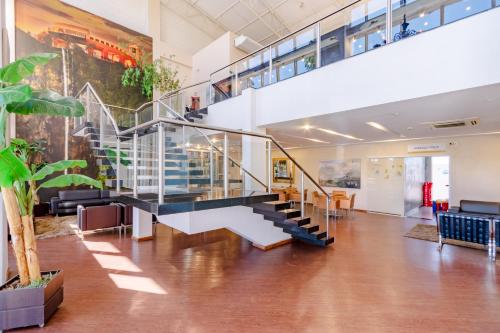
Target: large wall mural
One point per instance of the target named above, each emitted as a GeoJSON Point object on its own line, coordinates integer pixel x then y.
{"type": "Point", "coordinates": [96, 51]}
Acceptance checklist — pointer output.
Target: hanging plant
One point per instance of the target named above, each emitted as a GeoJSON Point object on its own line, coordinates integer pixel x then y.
{"type": "Point", "coordinates": [152, 76]}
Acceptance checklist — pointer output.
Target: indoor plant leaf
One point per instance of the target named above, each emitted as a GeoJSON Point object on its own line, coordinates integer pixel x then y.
{"type": "Point", "coordinates": [58, 166]}
{"type": "Point", "coordinates": [15, 94]}
{"type": "Point", "coordinates": [24, 67]}
{"type": "Point", "coordinates": [49, 103]}
{"type": "Point", "coordinates": [12, 168]}
{"type": "Point", "coordinates": [71, 179]}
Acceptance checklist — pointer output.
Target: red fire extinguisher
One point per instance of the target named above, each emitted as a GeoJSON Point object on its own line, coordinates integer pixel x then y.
{"type": "Point", "coordinates": [427, 191]}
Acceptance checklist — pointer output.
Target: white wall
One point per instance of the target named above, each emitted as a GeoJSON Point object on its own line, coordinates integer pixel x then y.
{"type": "Point", "coordinates": [218, 54]}
{"type": "Point", "coordinates": [474, 164]}
{"type": "Point", "coordinates": [181, 35]}
{"type": "Point", "coordinates": [453, 57]}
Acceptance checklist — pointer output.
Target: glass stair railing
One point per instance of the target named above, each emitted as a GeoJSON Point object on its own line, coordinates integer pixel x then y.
{"type": "Point", "coordinates": [166, 159]}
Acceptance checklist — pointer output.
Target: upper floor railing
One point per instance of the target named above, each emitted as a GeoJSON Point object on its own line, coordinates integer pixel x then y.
{"type": "Point", "coordinates": [360, 27]}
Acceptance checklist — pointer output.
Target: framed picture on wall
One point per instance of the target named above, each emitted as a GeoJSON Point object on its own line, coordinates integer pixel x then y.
{"type": "Point", "coordinates": [283, 170]}
{"type": "Point", "coordinates": [340, 173]}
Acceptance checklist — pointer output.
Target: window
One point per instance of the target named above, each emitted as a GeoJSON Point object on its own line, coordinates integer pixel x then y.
{"type": "Point", "coordinates": [286, 71]}
{"type": "Point", "coordinates": [255, 61]}
{"type": "Point", "coordinates": [306, 64]}
{"type": "Point", "coordinates": [376, 39]}
{"type": "Point", "coordinates": [266, 77]}
{"type": "Point", "coordinates": [357, 45]}
{"type": "Point", "coordinates": [255, 81]}
{"type": "Point", "coordinates": [464, 8]}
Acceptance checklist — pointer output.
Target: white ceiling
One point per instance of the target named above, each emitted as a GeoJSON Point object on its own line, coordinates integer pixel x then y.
{"type": "Point", "coordinates": [405, 120]}
{"type": "Point", "coordinates": [262, 20]}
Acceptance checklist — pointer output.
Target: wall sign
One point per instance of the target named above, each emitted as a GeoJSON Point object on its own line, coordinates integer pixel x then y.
{"type": "Point", "coordinates": [426, 148]}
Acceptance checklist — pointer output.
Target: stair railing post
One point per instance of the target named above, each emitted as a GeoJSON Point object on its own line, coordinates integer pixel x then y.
{"type": "Point", "coordinates": [318, 45]}
{"type": "Point", "coordinates": [161, 163]}
{"type": "Point", "coordinates": [135, 161]}
{"type": "Point", "coordinates": [327, 217]}
{"type": "Point", "coordinates": [117, 161]}
{"type": "Point", "coordinates": [211, 170]}
{"type": "Point", "coordinates": [226, 166]}
{"type": "Point", "coordinates": [269, 167]}
{"type": "Point", "coordinates": [302, 196]}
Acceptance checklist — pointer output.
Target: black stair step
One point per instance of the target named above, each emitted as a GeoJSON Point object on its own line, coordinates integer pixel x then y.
{"type": "Point", "coordinates": [203, 111]}
{"type": "Point", "coordinates": [299, 221]}
{"type": "Point", "coordinates": [195, 115]}
{"type": "Point", "coordinates": [272, 206]}
{"type": "Point", "coordinates": [305, 230]}
{"type": "Point", "coordinates": [323, 242]}
{"type": "Point", "coordinates": [283, 214]}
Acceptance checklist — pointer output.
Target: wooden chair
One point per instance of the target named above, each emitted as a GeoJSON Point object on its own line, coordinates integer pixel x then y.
{"type": "Point", "coordinates": [315, 200]}
{"type": "Point", "coordinates": [295, 196]}
{"type": "Point", "coordinates": [332, 207]}
{"type": "Point", "coordinates": [282, 194]}
{"type": "Point", "coordinates": [347, 205]}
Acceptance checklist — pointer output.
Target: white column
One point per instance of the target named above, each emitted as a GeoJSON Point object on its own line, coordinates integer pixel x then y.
{"type": "Point", "coordinates": [142, 225]}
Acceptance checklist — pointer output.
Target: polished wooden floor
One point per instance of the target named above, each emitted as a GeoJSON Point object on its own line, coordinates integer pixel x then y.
{"type": "Point", "coordinates": [371, 280]}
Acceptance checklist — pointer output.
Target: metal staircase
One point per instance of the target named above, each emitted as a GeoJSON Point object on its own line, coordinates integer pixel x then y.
{"type": "Point", "coordinates": [157, 157]}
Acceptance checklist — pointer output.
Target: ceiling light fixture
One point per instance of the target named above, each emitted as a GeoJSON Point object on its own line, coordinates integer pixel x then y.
{"type": "Point", "coordinates": [422, 14]}
{"type": "Point", "coordinates": [316, 140]}
{"type": "Point", "coordinates": [377, 126]}
{"type": "Point", "coordinates": [307, 127]}
{"type": "Point", "coordinates": [468, 8]}
{"type": "Point", "coordinates": [339, 134]}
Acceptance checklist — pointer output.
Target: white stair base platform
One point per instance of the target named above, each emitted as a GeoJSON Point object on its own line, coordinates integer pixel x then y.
{"type": "Point", "coordinates": [239, 219]}
{"type": "Point", "coordinates": [142, 225]}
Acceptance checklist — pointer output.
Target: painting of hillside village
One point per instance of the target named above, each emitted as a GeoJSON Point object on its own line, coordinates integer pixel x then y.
{"type": "Point", "coordinates": [96, 51]}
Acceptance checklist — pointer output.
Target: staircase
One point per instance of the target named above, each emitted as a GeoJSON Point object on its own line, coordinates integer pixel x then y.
{"type": "Point", "coordinates": [290, 220]}
{"type": "Point", "coordinates": [191, 115]}
{"type": "Point", "coordinates": [197, 173]}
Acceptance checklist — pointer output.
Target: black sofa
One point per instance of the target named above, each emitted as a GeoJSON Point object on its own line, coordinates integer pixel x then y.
{"type": "Point", "coordinates": [474, 222]}
{"type": "Point", "coordinates": [66, 202]}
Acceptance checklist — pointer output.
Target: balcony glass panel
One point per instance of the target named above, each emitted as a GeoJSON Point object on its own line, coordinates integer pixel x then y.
{"type": "Point", "coordinates": [306, 63]}
{"type": "Point", "coordinates": [286, 71]}
{"type": "Point", "coordinates": [461, 9]}
{"type": "Point", "coordinates": [353, 31]}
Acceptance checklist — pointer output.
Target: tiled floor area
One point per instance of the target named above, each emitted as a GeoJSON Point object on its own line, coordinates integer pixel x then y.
{"type": "Point", "coordinates": [371, 280]}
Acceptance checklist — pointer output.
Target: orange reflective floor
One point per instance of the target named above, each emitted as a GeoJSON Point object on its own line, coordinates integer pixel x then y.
{"type": "Point", "coordinates": [371, 280]}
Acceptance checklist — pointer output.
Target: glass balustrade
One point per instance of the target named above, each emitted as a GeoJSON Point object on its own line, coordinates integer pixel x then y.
{"type": "Point", "coordinates": [360, 27]}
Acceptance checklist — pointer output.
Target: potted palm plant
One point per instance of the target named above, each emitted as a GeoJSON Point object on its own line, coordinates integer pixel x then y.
{"type": "Point", "coordinates": [31, 297]}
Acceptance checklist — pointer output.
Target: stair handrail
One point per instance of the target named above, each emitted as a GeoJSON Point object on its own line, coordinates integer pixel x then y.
{"type": "Point", "coordinates": [89, 86]}
{"type": "Point", "coordinates": [176, 114]}
{"type": "Point", "coordinates": [173, 92]}
{"type": "Point", "coordinates": [153, 122]}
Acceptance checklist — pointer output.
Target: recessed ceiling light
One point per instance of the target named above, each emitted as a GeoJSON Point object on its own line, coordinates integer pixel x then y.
{"type": "Point", "coordinates": [426, 23]}
{"type": "Point", "coordinates": [188, 144]}
{"type": "Point", "coordinates": [339, 134]}
{"type": "Point", "coordinates": [422, 14]}
{"type": "Point", "coordinates": [377, 126]}
{"type": "Point", "coordinates": [307, 127]}
{"type": "Point", "coordinates": [316, 140]}
{"type": "Point", "coordinates": [468, 8]}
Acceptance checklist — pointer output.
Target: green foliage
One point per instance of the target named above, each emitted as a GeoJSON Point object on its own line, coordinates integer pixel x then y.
{"type": "Point", "coordinates": [151, 76]}
{"type": "Point", "coordinates": [111, 155]}
{"type": "Point", "coordinates": [70, 179]}
{"type": "Point", "coordinates": [58, 166]}
{"type": "Point", "coordinates": [12, 168]}
{"type": "Point", "coordinates": [50, 103]}
{"type": "Point", "coordinates": [15, 94]}
{"type": "Point", "coordinates": [24, 67]}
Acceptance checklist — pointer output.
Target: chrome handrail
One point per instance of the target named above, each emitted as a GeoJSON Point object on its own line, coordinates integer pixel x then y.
{"type": "Point", "coordinates": [100, 102]}
{"type": "Point", "coordinates": [213, 145]}
{"type": "Point", "coordinates": [287, 36]}
{"type": "Point", "coordinates": [173, 92]}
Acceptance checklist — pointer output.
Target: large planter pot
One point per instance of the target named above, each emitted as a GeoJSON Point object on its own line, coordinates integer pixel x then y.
{"type": "Point", "coordinates": [30, 306]}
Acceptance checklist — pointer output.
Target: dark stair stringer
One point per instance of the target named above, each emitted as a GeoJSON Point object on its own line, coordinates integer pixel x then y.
{"type": "Point", "coordinates": [290, 220]}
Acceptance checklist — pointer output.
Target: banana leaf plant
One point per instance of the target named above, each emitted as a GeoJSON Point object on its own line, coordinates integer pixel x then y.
{"type": "Point", "coordinates": [18, 182]}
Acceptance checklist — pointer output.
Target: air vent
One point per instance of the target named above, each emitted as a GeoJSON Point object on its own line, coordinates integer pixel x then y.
{"type": "Point", "coordinates": [455, 123]}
